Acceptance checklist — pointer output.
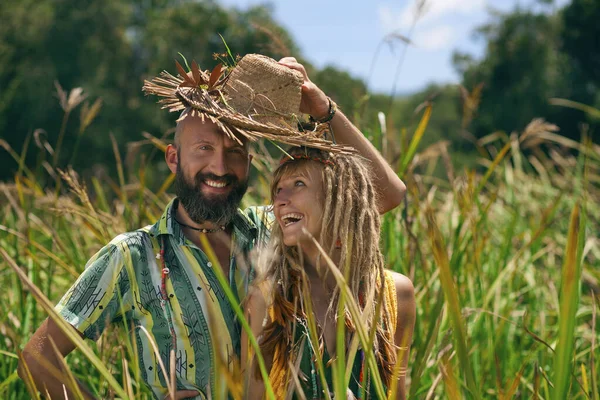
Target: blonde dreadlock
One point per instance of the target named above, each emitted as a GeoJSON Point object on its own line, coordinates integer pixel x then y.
{"type": "Point", "coordinates": [350, 214]}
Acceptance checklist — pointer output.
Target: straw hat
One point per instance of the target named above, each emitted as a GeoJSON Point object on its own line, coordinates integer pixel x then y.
{"type": "Point", "coordinates": [258, 98]}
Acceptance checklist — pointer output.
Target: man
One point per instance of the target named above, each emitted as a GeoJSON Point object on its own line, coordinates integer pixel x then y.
{"type": "Point", "coordinates": [159, 279]}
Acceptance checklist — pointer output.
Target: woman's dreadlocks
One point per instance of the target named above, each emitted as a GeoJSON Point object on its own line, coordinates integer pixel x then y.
{"type": "Point", "coordinates": [350, 214]}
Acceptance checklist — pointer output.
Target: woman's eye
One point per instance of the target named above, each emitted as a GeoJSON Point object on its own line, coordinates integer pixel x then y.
{"type": "Point", "coordinates": [277, 190]}
{"type": "Point", "coordinates": [299, 183]}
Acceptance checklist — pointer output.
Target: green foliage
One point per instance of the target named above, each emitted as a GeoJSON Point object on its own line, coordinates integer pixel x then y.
{"type": "Point", "coordinates": [108, 47]}
{"type": "Point", "coordinates": [580, 37]}
{"type": "Point", "coordinates": [532, 57]}
{"type": "Point", "coordinates": [476, 246]}
{"type": "Point", "coordinates": [482, 235]}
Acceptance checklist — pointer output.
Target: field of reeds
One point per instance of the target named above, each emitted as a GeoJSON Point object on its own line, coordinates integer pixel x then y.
{"type": "Point", "coordinates": [505, 258]}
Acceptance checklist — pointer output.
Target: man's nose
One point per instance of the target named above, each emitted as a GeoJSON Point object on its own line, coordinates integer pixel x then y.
{"type": "Point", "coordinates": [218, 165]}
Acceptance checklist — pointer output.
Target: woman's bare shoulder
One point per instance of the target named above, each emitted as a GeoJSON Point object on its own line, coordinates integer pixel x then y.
{"type": "Point", "coordinates": [405, 289]}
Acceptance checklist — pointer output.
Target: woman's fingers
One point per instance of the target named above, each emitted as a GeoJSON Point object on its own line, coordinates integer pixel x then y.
{"type": "Point", "coordinates": [292, 63]}
{"type": "Point", "coordinates": [288, 60]}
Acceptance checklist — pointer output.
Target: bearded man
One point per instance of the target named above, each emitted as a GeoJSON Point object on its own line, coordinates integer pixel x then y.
{"type": "Point", "coordinates": [159, 279]}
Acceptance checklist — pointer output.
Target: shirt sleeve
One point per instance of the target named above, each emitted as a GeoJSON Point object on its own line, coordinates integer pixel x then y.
{"type": "Point", "coordinates": [100, 295]}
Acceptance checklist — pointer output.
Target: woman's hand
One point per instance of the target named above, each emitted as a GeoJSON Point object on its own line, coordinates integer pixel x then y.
{"type": "Point", "coordinates": [314, 101]}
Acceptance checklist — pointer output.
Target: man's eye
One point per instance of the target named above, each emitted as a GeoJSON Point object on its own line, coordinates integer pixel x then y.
{"type": "Point", "coordinates": [204, 147]}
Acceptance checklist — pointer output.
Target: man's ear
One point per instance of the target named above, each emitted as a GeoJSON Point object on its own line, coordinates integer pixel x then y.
{"type": "Point", "coordinates": [171, 158]}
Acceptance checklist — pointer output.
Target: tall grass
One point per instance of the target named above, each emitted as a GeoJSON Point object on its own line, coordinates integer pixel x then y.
{"type": "Point", "coordinates": [507, 284]}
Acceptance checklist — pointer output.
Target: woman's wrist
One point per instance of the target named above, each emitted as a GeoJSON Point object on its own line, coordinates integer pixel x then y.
{"type": "Point", "coordinates": [325, 116]}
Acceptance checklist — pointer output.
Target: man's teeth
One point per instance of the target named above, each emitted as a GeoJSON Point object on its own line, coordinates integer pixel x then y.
{"type": "Point", "coordinates": [215, 184]}
{"type": "Point", "coordinates": [291, 218]}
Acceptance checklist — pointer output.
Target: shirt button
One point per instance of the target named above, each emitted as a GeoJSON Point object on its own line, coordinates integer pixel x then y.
{"type": "Point", "coordinates": [209, 264]}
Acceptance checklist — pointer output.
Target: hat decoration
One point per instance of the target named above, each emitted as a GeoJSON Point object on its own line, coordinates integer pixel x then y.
{"type": "Point", "coordinates": [258, 98]}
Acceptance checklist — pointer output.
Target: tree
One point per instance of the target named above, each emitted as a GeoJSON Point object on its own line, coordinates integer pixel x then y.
{"type": "Point", "coordinates": [523, 67]}
{"type": "Point", "coordinates": [580, 41]}
{"type": "Point", "coordinates": [108, 47]}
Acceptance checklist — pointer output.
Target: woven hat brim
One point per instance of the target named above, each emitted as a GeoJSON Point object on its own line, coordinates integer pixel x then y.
{"type": "Point", "coordinates": [176, 98]}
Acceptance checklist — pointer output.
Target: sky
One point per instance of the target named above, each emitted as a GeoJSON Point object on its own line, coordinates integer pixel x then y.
{"type": "Point", "coordinates": [350, 34]}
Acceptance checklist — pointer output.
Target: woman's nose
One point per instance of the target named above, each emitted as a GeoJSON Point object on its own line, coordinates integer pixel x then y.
{"type": "Point", "coordinates": [282, 198]}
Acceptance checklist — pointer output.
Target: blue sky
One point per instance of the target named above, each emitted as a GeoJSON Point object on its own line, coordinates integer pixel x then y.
{"type": "Point", "coordinates": [348, 33]}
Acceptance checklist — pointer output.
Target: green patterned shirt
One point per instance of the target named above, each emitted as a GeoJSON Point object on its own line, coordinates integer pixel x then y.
{"type": "Point", "coordinates": [123, 282]}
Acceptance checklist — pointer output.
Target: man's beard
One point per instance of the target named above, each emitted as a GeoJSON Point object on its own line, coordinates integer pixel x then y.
{"type": "Point", "coordinates": [219, 209]}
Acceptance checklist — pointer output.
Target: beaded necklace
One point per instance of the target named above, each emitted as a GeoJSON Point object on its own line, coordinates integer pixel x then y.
{"type": "Point", "coordinates": [163, 291]}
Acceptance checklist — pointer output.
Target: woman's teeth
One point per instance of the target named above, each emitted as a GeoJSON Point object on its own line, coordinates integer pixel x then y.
{"type": "Point", "coordinates": [291, 218]}
{"type": "Point", "coordinates": [215, 184]}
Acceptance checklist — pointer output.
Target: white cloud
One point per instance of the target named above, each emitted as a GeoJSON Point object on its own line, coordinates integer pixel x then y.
{"type": "Point", "coordinates": [431, 12]}
{"type": "Point", "coordinates": [436, 38]}
{"type": "Point", "coordinates": [437, 27]}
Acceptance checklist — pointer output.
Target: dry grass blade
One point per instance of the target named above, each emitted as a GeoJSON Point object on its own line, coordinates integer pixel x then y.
{"type": "Point", "coordinates": [594, 112]}
{"type": "Point", "coordinates": [127, 384]}
{"type": "Point", "coordinates": [168, 381]}
{"type": "Point", "coordinates": [536, 127]}
{"type": "Point", "coordinates": [28, 379]}
{"type": "Point", "coordinates": [69, 382]}
{"type": "Point", "coordinates": [491, 168]}
{"type": "Point", "coordinates": [88, 114]}
{"type": "Point", "coordinates": [161, 145]}
{"type": "Point", "coordinates": [395, 36]}
{"type": "Point", "coordinates": [449, 377]}
{"type": "Point", "coordinates": [515, 384]}
{"type": "Point", "coordinates": [76, 96]}
{"type": "Point", "coordinates": [65, 327]}
{"type": "Point", "coordinates": [62, 96]}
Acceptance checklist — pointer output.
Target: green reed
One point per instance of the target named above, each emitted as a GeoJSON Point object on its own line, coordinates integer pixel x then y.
{"type": "Point", "coordinates": [506, 283]}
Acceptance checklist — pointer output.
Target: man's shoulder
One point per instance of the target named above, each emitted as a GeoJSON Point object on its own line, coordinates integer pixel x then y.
{"type": "Point", "coordinates": [133, 237]}
{"type": "Point", "coordinates": [135, 242]}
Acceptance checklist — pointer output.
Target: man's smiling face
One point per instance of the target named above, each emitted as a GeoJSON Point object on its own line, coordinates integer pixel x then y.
{"type": "Point", "coordinates": [211, 170]}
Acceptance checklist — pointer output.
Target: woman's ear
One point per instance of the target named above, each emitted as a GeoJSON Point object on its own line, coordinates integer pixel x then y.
{"type": "Point", "coordinates": [172, 158]}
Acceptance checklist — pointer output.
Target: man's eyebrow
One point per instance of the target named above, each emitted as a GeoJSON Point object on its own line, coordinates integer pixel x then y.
{"type": "Point", "coordinates": [202, 140]}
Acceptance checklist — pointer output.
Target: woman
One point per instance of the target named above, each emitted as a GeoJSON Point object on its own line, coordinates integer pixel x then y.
{"type": "Point", "coordinates": [329, 200]}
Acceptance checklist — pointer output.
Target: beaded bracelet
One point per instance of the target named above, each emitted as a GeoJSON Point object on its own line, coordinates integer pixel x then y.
{"type": "Point", "coordinates": [330, 113]}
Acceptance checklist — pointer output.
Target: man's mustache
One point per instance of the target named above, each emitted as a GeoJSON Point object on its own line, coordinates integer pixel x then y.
{"type": "Point", "coordinates": [227, 179]}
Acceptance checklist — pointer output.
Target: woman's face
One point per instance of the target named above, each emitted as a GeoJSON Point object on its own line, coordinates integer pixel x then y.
{"type": "Point", "coordinates": [298, 203]}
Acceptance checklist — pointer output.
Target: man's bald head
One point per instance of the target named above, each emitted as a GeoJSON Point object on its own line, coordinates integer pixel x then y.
{"type": "Point", "coordinates": [189, 122]}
